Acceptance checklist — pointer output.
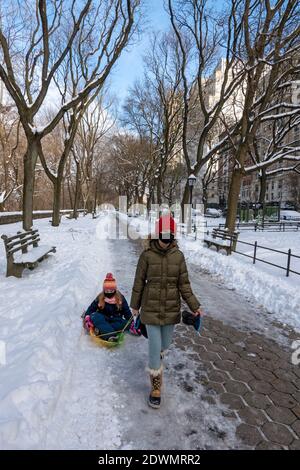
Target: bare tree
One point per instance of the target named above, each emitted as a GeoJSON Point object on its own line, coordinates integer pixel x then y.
{"type": "Point", "coordinates": [270, 57]}
{"type": "Point", "coordinates": [207, 39]}
{"type": "Point", "coordinates": [98, 120]}
{"type": "Point", "coordinates": [154, 108]}
{"type": "Point", "coordinates": [10, 146]}
{"type": "Point", "coordinates": [37, 39]}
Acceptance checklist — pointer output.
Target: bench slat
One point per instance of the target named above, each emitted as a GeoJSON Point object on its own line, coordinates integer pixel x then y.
{"type": "Point", "coordinates": [22, 241]}
{"type": "Point", "coordinates": [11, 252]}
{"type": "Point", "coordinates": [7, 239]}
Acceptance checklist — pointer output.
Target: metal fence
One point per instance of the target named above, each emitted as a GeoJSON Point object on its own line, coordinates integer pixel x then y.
{"type": "Point", "coordinates": [287, 268]}
{"type": "Point", "coordinates": [282, 226]}
{"type": "Point", "coordinates": [254, 257]}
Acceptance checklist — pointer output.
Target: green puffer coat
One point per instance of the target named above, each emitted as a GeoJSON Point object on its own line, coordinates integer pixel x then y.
{"type": "Point", "coordinates": [161, 277]}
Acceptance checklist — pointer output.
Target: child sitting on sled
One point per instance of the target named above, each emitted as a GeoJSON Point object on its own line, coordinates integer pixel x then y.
{"type": "Point", "coordinates": [109, 313]}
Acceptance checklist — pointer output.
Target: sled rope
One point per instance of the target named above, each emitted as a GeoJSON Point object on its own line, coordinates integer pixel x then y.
{"type": "Point", "coordinates": [118, 331]}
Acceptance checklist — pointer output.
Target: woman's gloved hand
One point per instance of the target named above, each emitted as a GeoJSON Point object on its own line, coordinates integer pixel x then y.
{"type": "Point", "coordinates": [199, 312]}
{"type": "Point", "coordinates": [135, 312]}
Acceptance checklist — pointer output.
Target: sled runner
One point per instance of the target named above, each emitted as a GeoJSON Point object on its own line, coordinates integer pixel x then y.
{"type": "Point", "coordinates": [107, 344]}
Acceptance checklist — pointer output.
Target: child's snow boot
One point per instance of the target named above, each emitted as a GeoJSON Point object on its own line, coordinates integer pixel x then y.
{"type": "Point", "coordinates": [156, 383]}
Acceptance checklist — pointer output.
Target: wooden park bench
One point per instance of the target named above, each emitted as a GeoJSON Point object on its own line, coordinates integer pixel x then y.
{"type": "Point", "coordinates": [221, 239]}
{"type": "Point", "coordinates": [19, 257]}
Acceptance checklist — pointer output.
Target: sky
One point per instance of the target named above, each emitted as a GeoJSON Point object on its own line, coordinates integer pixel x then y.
{"type": "Point", "coordinates": [130, 65]}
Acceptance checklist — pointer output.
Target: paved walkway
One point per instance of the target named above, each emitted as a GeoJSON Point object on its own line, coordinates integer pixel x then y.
{"type": "Point", "coordinates": [253, 377]}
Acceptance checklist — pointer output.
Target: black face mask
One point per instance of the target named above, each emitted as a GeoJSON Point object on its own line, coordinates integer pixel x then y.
{"type": "Point", "coordinates": [109, 295]}
{"type": "Point", "coordinates": [166, 240]}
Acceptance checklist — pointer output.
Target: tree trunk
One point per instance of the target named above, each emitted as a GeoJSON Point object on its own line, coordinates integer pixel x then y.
{"type": "Point", "coordinates": [77, 191]}
{"type": "Point", "coordinates": [30, 159]}
{"type": "Point", "coordinates": [263, 187]}
{"type": "Point", "coordinates": [57, 201]}
{"type": "Point", "coordinates": [158, 191]}
{"type": "Point", "coordinates": [185, 199]}
{"type": "Point", "coordinates": [233, 199]}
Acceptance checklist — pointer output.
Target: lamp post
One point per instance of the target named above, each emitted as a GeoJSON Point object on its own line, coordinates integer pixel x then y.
{"type": "Point", "coordinates": [191, 180]}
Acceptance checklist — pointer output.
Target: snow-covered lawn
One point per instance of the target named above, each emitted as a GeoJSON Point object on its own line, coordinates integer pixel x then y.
{"type": "Point", "coordinates": [40, 328]}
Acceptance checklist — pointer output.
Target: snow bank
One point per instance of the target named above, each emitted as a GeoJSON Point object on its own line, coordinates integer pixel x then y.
{"type": "Point", "coordinates": [40, 321]}
{"type": "Point", "coordinates": [277, 294]}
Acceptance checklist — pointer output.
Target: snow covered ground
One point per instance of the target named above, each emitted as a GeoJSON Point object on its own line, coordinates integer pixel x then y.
{"type": "Point", "coordinates": [59, 390]}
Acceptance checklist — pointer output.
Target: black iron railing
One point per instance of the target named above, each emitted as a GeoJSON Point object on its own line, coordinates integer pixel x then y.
{"type": "Point", "coordinates": [254, 257]}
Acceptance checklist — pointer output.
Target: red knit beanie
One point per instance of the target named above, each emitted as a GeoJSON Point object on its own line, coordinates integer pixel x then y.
{"type": "Point", "coordinates": [165, 224]}
{"type": "Point", "coordinates": [109, 283]}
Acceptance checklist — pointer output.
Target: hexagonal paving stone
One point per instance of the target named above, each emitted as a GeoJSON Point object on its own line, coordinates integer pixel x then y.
{"type": "Point", "coordinates": [218, 376]}
{"type": "Point", "coordinates": [262, 374]}
{"type": "Point", "coordinates": [223, 341]}
{"type": "Point", "coordinates": [215, 387]}
{"type": "Point", "coordinates": [205, 365]}
{"type": "Point", "coordinates": [198, 350]}
{"type": "Point", "coordinates": [204, 341]}
{"type": "Point", "coordinates": [229, 356]}
{"type": "Point", "coordinates": [241, 375]}
{"type": "Point", "coordinates": [239, 388]}
{"type": "Point", "coordinates": [266, 445]}
{"type": "Point", "coordinates": [296, 411]}
{"type": "Point", "coordinates": [296, 395]}
{"type": "Point", "coordinates": [281, 414]}
{"type": "Point", "coordinates": [257, 400]}
{"type": "Point", "coordinates": [249, 434]}
{"type": "Point", "coordinates": [244, 364]}
{"type": "Point", "coordinates": [264, 364]}
{"type": "Point", "coordinates": [278, 433]}
{"type": "Point", "coordinates": [233, 401]}
{"type": "Point", "coordinates": [210, 356]}
{"type": "Point", "coordinates": [254, 348]}
{"type": "Point", "coordinates": [216, 348]}
{"type": "Point", "coordinates": [284, 375]}
{"type": "Point", "coordinates": [224, 365]}
{"type": "Point", "coordinates": [296, 382]}
{"type": "Point", "coordinates": [283, 386]}
{"type": "Point", "coordinates": [296, 371]}
{"type": "Point", "coordinates": [296, 427]}
{"type": "Point", "coordinates": [235, 348]}
{"type": "Point", "coordinates": [252, 416]}
{"type": "Point", "coordinates": [261, 386]}
{"type": "Point", "coordinates": [283, 399]}
{"type": "Point", "coordinates": [295, 445]}
{"type": "Point", "coordinates": [268, 356]}
{"type": "Point", "coordinates": [250, 356]}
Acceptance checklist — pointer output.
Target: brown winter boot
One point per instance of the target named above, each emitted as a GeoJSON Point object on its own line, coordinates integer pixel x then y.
{"type": "Point", "coordinates": [156, 383]}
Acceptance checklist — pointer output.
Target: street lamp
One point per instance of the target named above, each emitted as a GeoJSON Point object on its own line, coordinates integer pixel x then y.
{"type": "Point", "coordinates": [192, 180]}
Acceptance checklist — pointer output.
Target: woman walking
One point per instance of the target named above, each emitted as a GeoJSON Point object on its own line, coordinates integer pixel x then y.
{"type": "Point", "coordinates": [161, 278]}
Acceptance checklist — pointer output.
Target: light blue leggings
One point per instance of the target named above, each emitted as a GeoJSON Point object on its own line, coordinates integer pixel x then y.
{"type": "Point", "coordinates": [159, 339]}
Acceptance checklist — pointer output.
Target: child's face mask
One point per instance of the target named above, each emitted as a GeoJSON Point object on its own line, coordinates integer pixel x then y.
{"type": "Point", "coordinates": [109, 295]}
